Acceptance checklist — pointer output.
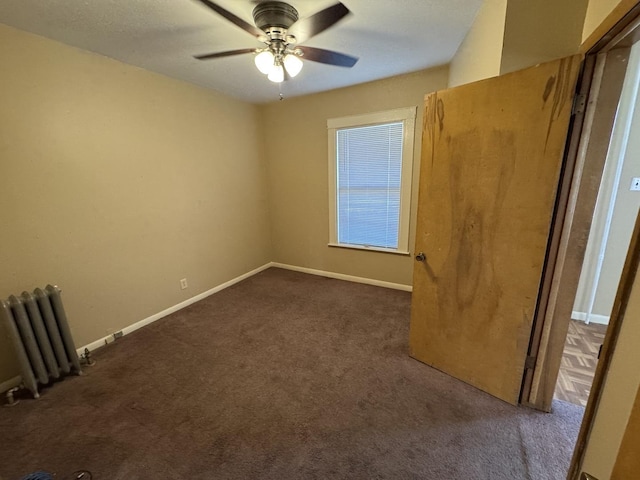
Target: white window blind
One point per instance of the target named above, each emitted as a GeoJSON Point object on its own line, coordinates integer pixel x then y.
{"type": "Point", "coordinates": [370, 163]}
{"type": "Point", "coordinates": [369, 176]}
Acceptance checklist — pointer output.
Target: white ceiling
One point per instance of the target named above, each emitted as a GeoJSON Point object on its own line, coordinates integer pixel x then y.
{"type": "Point", "coordinates": [390, 37]}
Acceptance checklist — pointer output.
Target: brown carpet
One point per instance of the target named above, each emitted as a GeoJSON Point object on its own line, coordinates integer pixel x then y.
{"type": "Point", "coordinates": [284, 375]}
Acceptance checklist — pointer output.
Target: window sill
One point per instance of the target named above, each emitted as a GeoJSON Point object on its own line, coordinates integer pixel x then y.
{"type": "Point", "coordinates": [370, 249]}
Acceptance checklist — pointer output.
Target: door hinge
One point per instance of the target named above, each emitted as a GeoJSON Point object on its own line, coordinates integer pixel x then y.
{"type": "Point", "coordinates": [579, 104]}
{"type": "Point", "coordinates": [530, 362]}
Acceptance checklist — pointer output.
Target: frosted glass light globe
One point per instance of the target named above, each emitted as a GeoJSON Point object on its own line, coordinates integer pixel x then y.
{"type": "Point", "coordinates": [293, 64]}
{"type": "Point", "coordinates": [276, 74]}
{"type": "Point", "coordinates": [264, 61]}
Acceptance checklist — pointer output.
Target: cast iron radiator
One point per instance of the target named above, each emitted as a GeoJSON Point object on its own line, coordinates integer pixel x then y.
{"type": "Point", "coordinates": [38, 326]}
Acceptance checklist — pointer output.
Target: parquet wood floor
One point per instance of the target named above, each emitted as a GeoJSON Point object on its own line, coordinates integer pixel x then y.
{"type": "Point", "coordinates": [579, 361]}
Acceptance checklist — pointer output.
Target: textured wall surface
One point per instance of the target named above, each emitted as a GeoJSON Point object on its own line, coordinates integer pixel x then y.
{"type": "Point", "coordinates": [298, 174]}
{"type": "Point", "coordinates": [117, 183]}
{"type": "Point", "coordinates": [480, 53]}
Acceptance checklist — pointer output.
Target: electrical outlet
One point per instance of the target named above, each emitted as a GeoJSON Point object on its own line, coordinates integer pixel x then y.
{"type": "Point", "coordinates": [183, 283]}
{"type": "Point", "coordinates": [635, 184]}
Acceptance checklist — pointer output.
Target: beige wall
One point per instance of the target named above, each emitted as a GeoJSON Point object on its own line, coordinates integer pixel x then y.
{"type": "Point", "coordinates": [298, 173]}
{"type": "Point", "coordinates": [117, 182]}
{"type": "Point", "coordinates": [622, 383]}
{"type": "Point", "coordinates": [480, 53]}
{"type": "Point", "coordinates": [506, 36]}
{"type": "Point", "coordinates": [540, 31]}
{"type": "Point", "coordinates": [628, 461]}
{"type": "Point", "coordinates": [597, 11]}
{"type": "Point", "coordinates": [623, 153]}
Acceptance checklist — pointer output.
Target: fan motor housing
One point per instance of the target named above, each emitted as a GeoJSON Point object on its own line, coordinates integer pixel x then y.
{"type": "Point", "coordinates": [274, 14]}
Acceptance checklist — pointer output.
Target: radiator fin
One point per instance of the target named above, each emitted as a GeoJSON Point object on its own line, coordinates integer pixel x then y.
{"type": "Point", "coordinates": [52, 327]}
{"type": "Point", "coordinates": [42, 336]}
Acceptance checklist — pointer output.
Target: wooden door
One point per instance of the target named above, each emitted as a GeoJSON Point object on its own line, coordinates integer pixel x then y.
{"type": "Point", "coordinates": [491, 161]}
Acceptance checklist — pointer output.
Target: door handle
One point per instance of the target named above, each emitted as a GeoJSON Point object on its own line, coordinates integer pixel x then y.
{"type": "Point", "coordinates": [421, 257]}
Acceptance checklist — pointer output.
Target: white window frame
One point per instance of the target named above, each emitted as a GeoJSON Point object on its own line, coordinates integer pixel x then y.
{"type": "Point", "coordinates": [405, 115]}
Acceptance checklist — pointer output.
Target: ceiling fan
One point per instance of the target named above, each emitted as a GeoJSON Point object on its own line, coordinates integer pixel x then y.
{"type": "Point", "coordinates": [280, 29]}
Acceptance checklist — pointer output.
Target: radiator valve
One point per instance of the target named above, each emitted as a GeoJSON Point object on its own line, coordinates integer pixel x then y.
{"type": "Point", "coordinates": [86, 358]}
{"type": "Point", "coordinates": [11, 400]}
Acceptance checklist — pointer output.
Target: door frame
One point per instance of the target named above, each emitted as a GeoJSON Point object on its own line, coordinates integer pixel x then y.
{"type": "Point", "coordinates": [571, 225]}
{"type": "Point", "coordinates": [597, 98]}
{"type": "Point", "coordinates": [627, 280]}
{"type": "Point", "coordinates": [602, 78]}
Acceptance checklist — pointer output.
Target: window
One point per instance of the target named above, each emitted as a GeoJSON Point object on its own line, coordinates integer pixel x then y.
{"type": "Point", "coordinates": [370, 161]}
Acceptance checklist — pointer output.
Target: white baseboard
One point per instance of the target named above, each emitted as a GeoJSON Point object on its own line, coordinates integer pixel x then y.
{"type": "Point", "coordinates": [4, 386]}
{"type": "Point", "coordinates": [9, 384]}
{"type": "Point", "coordinates": [146, 321]}
{"type": "Point", "coordinates": [593, 318]}
{"type": "Point", "coordinates": [342, 276]}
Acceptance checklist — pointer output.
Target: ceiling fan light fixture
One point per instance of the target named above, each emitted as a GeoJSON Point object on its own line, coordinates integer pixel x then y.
{"type": "Point", "coordinates": [279, 28]}
{"type": "Point", "coordinates": [276, 74]}
{"type": "Point", "coordinates": [265, 62]}
{"type": "Point", "coordinates": [293, 64]}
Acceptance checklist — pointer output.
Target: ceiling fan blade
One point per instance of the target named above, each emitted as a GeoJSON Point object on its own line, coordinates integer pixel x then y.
{"type": "Point", "coordinates": [306, 28]}
{"type": "Point", "coordinates": [327, 56]}
{"type": "Point", "coordinates": [230, 53]}
{"type": "Point", "coordinates": [247, 27]}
